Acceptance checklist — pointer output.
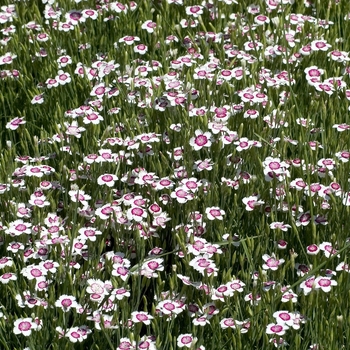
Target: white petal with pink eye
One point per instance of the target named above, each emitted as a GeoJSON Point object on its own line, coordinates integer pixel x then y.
{"type": "Point", "coordinates": [278, 329]}
{"type": "Point", "coordinates": [324, 283]}
{"type": "Point", "coordinates": [66, 302]}
{"type": "Point", "coordinates": [229, 323]}
{"type": "Point", "coordinates": [120, 271]}
{"type": "Point", "coordinates": [141, 316]}
{"type": "Point", "coordinates": [24, 326]}
{"type": "Point", "coordinates": [137, 214]}
{"type": "Point", "coordinates": [185, 340]}
{"type": "Point", "coordinates": [155, 209]}
{"type": "Point", "coordinates": [214, 213]}
{"type": "Point", "coordinates": [15, 123]}
{"type": "Point", "coordinates": [7, 277]}
{"type": "Point", "coordinates": [201, 140]}
{"type": "Point", "coordinates": [271, 263]}
{"type": "Point", "coordinates": [153, 265]}
{"type": "Point", "coordinates": [107, 179]}
{"type": "Point", "coordinates": [89, 233]}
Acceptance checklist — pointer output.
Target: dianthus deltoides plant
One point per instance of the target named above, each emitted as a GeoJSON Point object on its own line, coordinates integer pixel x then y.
{"type": "Point", "coordinates": [174, 174]}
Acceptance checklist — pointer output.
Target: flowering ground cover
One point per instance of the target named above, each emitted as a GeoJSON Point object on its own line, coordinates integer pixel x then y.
{"type": "Point", "coordinates": [174, 174]}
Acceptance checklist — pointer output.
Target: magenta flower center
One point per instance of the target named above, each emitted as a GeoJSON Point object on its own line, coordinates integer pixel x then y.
{"type": "Point", "coordinates": [229, 322]}
{"type": "Point", "coordinates": [137, 211]}
{"type": "Point", "coordinates": [142, 317]}
{"type": "Point", "coordinates": [309, 283]}
{"type": "Point", "coordinates": [324, 282]}
{"type": "Point", "coordinates": [36, 272]}
{"type": "Point", "coordinates": [66, 302]}
{"type": "Point", "coordinates": [277, 328]}
{"type": "Point", "coordinates": [274, 165]}
{"type": "Point", "coordinates": [215, 212]}
{"type": "Point", "coordinates": [312, 248]}
{"type": "Point", "coordinates": [284, 316]}
{"type": "Point", "coordinates": [89, 233]}
{"type": "Point", "coordinates": [201, 140]}
{"type": "Point", "coordinates": [272, 262]}
{"type": "Point", "coordinates": [75, 335]}
{"type": "Point", "coordinates": [153, 265]}
{"type": "Point", "coordinates": [203, 263]}
{"type": "Point", "coordinates": [169, 306]}
{"type": "Point", "coordinates": [122, 270]}
{"type": "Point", "coordinates": [25, 326]}
{"type": "Point", "coordinates": [106, 211]}
{"type": "Point", "coordinates": [181, 193]}
{"type": "Point", "coordinates": [21, 227]}
{"type": "Point", "coordinates": [235, 286]}
{"type": "Point", "coordinates": [75, 15]}
{"type": "Point", "coordinates": [186, 339]}
{"type": "Point", "coordinates": [248, 96]}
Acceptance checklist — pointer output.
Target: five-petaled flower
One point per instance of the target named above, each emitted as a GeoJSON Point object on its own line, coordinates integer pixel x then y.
{"type": "Point", "coordinates": [271, 263]}
{"type": "Point", "coordinates": [141, 316]}
{"type": "Point", "coordinates": [201, 139]}
{"type": "Point", "coordinates": [276, 328]}
{"type": "Point", "coordinates": [24, 326]}
{"type": "Point", "coordinates": [324, 283]}
{"type": "Point", "coordinates": [252, 202]}
{"type": "Point", "coordinates": [66, 302]}
{"type": "Point", "coordinates": [215, 213]}
{"type": "Point", "coordinates": [186, 340]}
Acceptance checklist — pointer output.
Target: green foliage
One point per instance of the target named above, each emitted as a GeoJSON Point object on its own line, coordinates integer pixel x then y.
{"type": "Point", "coordinates": [243, 236]}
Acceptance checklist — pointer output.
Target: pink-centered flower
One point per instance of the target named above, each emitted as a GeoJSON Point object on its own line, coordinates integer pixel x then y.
{"type": "Point", "coordinates": [121, 271]}
{"type": "Point", "coordinates": [194, 11]}
{"type": "Point", "coordinates": [275, 165]}
{"type": "Point", "coordinates": [214, 213]}
{"type": "Point", "coordinates": [18, 227]}
{"type": "Point", "coordinates": [252, 202]}
{"type": "Point", "coordinates": [343, 266]}
{"type": "Point", "coordinates": [137, 214]}
{"type": "Point", "coordinates": [271, 263]}
{"type": "Point", "coordinates": [186, 340]}
{"type": "Point", "coordinates": [66, 302]}
{"type": "Point", "coordinates": [320, 45]}
{"type": "Point", "coordinates": [141, 316]}
{"type": "Point", "coordinates": [24, 326]}
{"type": "Point", "coordinates": [149, 26]}
{"type": "Point", "coordinates": [153, 265]}
{"type": "Point", "coordinates": [201, 139]}
{"type": "Point", "coordinates": [279, 225]}
{"type": "Point", "coordinates": [92, 118]}
{"type": "Point", "coordinates": [289, 295]}
{"type": "Point", "coordinates": [324, 283]}
{"type": "Point", "coordinates": [308, 285]}
{"type": "Point", "coordinates": [107, 179]}
{"type": "Point", "coordinates": [79, 196]}
{"type": "Point", "coordinates": [229, 323]}
{"type": "Point", "coordinates": [169, 307]}
{"type": "Point", "coordinates": [15, 123]}
{"type": "Point", "coordinates": [73, 129]}
{"type": "Point", "coordinates": [312, 249]}
{"type": "Point", "coordinates": [88, 233]}
{"type": "Point", "coordinates": [243, 144]}
{"type": "Point", "coordinates": [275, 328]}
{"type": "Point", "coordinates": [77, 334]}
{"type": "Point", "coordinates": [182, 195]}
{"type": "Point", "coordinates": [328, 249]}
{"type": "Point", "coordinates": [129, 40]}
{"type": "Point", "coordinates": [7, 277]}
